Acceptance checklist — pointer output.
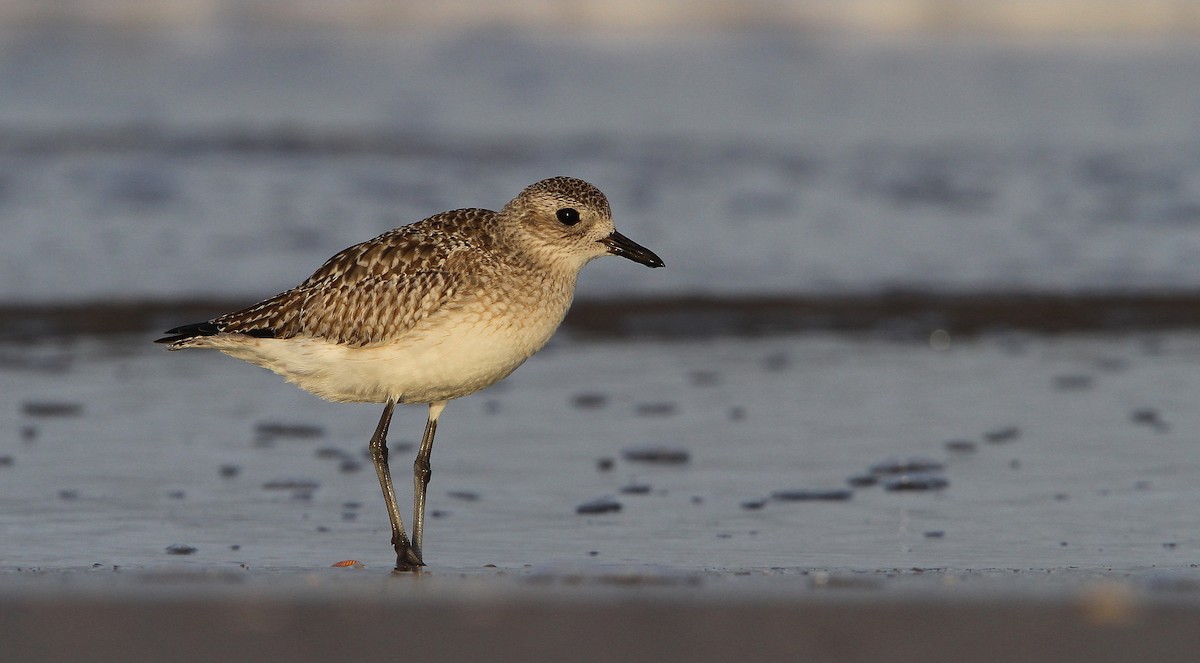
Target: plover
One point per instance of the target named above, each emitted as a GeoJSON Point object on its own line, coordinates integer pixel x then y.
{"type": "Point", "coordinates": [426, 313]}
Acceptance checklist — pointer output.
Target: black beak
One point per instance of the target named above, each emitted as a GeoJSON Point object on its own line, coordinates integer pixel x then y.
{"type": "Point", "coordinates": [620, 245]}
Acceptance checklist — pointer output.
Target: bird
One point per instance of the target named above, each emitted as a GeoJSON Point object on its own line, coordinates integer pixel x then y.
{"type": "Point", "coordinates": [426, 313]}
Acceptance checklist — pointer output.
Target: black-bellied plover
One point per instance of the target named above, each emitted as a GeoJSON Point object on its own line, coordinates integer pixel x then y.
{"type": "Point", "coordinates": [425, 313]}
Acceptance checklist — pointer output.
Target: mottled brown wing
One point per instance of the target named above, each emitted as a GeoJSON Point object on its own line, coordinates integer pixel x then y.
{"type": "Point", "coordinates": [374, 290]}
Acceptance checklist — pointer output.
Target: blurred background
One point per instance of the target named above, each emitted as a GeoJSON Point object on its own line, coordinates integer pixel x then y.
{"type": "Point", "coordinates": [159, 152]}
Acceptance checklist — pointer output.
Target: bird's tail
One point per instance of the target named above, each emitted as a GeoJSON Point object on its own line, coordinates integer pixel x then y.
{"type": "Point", "coordinates": [180, 335]}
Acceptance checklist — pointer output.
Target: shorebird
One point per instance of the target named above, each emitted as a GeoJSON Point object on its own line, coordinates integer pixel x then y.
{"type": "Point", "coordinates": [426, 313]}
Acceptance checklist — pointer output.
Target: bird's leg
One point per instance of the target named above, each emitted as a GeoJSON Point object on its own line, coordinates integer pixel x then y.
{"type": "Point", "coordinates": [421, 473]}
{"type": "Point", "coordinates": [407, 559]}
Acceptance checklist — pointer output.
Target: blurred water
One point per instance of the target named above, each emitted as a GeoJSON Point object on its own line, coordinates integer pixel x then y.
{"type": "Point", "coordinates": [230, 163]}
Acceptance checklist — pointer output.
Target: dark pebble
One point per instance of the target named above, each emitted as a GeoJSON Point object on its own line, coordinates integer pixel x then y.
{"type": "Point", "coordinates": [349, 515]}
{"type": "Point", "coordinates": [1001, 435]}
{"type": "Point", "coordinates": [274, 430]}
{"type": "Point", "coordinates": [351, 505]}
{"type": "Point", "coordinates": [696, 499]}
{"type": "Point", "coordinates": [599, 505]}
{"type": "Point", "coordinates": [180, 549]}
{"type": "Point", "coordinates": [934, 534]}
{"type": "Point", "coordinates": [655, 409]}
{"type": "Point", "coordinates": [737, 413]}
{"type": "Point", "coordinates": [916, 481]}
{"type": "Point", "coordinates": [906, 465]}
{"type": "Point", "coordinates": [827, 495]}
{"type": "Point", "coordinates": [438, 513]}
{"type": "Point", "coordinates": [291, 484]}
{"type": "Point", "coordinates": [235, 547]}
{"type": "Point", "coordinates": [862, 480]}
{"type": "Point", "coordinates": [636, 489]}
{"type": "Point", "coordinates": [229, 470]}
{"type": "Point", "coordinates": [349, 465]}
{"type": "Point", "coordinates": [1170, 545]}
{"type": "Point", "coordinates": [68, 494]}
{"type": "Point", "coordinates": [658, 454]}
{"type": "Point", "coordinates": [961, 446]}
{"type": "Point", "coordinates": [51, 409]}
{"type": "Point", "coordinates": [6, 461]}
{"type": "Point", "coordinates": [753, 505]}
{"type": "Point", "coordinates": [29, 433]}
{"type": "Point", "coordinates": [1149, 417]}
{"type": "Point", "coordinates": [1014, 464]}
{"type": "Point", "coordinates": [464, 495]}
{"type": "Point", "coordinates": [605, 464]}
{"type": "Point", "coordinates": [589, 401]}
{"type": "Point", "coordinates": [1073, 382]}
{"type": "Point", "coordinates": [491, 407]}
{"type": "Point", "coordinates": [177, 494]}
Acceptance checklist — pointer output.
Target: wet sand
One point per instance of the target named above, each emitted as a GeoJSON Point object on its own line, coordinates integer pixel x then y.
{"type": "Point", "coordinates": [1062, 528]}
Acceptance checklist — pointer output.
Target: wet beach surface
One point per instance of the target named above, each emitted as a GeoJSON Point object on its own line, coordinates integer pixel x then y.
{"type": "Point", "coordinates": [917, 489]}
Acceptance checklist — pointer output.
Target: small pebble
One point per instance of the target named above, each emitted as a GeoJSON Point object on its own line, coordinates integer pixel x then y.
{"type": "Point", "coordinates": [658, 454]}
{"type": "Point", "coordinates": [961, 446]}
{"type": "Point", "coordinates": [1149, 417]}
{"type": "Point", "coordinates": [599, 505]}
{"type": "Point", "coordinates": [605, 464]}
{"type": "Point", "coordinates": [464, 495]}
{"type": "Point", "coordinates": [292, 484]}
{"type": "Point", "coordinates": [661, 409]}
{"type": "Point", "coordinates": [275, 429]}
{"type": "Point", "coordinates": [6, 461]}
{"type": "Point", "coordinates": [51, 409]}
{"type": "Point", "coordinates": [636, 489]}
{"type": "Point", "coordinates": [29, 433]}
{"type": "Point", "coordinates": [68, 494]}
{"type": "Point", "coordinates": [229, 470]}
{"type": "Point", "coordinates": [1001, 435]}
{"type": "Point", "coordinates": [737, 413]}
{"type": "Point", "coordinates": [589, 401]}
{"type": "Point", "coordinates": [330, 453]}
{"type": "Point", "coordinates": [235, 547]}
{"type": "Point", "coordinates": [349, 465]}
{"type": "Point", "coordinates": [916, 481]}
{"type": "Point", "coordinates": [491, 407]}
{"type": "Point", "coordinates": [753, 505]}
{"type": "Point", "coordinates": [177, 494]}
{"type": "Point", "coordinates": [180, 549]}
{"type": "Point", "coordinates": [906, 465]}
{"type": "Point", "coordinates": [934, 534]}
{"type": "Point", "coordinates": [1169, 545]}
{"type": "Point", "coordinates": [802, 495]}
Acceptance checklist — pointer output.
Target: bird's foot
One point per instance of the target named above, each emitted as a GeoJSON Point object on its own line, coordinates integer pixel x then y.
{"type": "Point", "coordinates": [408, 559]}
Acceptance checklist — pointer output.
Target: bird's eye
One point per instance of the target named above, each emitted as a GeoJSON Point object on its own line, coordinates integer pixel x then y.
{"type": "Point", "coordinates": [569, 216]}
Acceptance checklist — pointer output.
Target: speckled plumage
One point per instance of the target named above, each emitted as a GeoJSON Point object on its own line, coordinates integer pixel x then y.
{"type": "Point", "coordinates": [427, 312]}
